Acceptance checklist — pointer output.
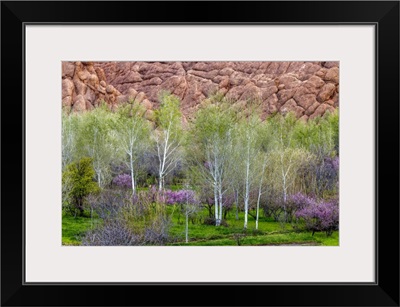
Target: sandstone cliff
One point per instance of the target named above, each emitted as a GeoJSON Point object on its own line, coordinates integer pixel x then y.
{"type": "Point", "coordinates": [308, 89]}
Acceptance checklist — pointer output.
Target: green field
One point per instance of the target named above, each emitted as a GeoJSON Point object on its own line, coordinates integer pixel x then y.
{"type": "Point", "coordinates": [269, 232]}
{"type": "Point", "coordinates": [73, 228]}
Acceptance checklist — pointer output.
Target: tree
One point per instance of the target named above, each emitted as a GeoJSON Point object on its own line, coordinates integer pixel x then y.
{"type": "Point", "coordinates": [79, 178]}
{"type": "Point", "coordinates": [317, 215]}
{"type": "Point", "coordinates": [320, 137]}
{"type": "Point", "coordinates": [167, 136]}
{"type": "Point", "coordinates": [133, 138]}
{"type": "Point", "coordinates": [212, 152]}
{"type": "Point", "coordinates": [97, 141]}
{"type": "Point", "coordinates": [69, 130]}
{"type": "Point", "coordinates": [287, 154]}
{"type": "Point", "coordinates": [248, 147]}
{"type": "Point", "coordinates": [189, 202]}
{"type": "Point", "coordinates": [263, 160]}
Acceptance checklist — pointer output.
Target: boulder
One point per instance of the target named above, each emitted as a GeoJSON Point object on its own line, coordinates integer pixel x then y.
{"type": "Point", "coordinates": [291, 106]}
{"type": "Point", "coordinates": [79, 104]}
{"type": "Point", "coordinates": [326, 92]}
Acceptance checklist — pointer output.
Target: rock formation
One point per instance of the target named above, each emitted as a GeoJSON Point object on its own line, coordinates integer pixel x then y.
{"type": "Point", "coordinates": [308, 89]}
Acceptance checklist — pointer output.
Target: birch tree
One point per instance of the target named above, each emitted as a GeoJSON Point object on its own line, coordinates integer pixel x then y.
{"type": "Point", "coordinates": [213, 134]}
{"type": "Point", "coordinates": [265, 139]}
{"type": "Point", "coordinates": [248, 146]}
{"type": "Point", "coordinates": [69, 130]}
{"type": "Point", "coordinates": [133, 136]}
{"type": "Point", "coordinates": [287, 155]}
{"type": "Point", "coordinates": [96, 140]}
{"type": "Point", "coordinates": [264, 160]}
{"type": "Point", "coordinates": [167, 136]}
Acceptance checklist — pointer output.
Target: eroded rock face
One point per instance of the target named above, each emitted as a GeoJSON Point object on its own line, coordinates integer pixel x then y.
{"type": "Point", "coordinates": [84, 87]}
{"type": "Point", "coordinates": [308, 89]}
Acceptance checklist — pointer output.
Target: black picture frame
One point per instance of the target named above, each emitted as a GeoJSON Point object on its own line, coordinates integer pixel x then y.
{"type": "Point", "coordinates": [383, 14]}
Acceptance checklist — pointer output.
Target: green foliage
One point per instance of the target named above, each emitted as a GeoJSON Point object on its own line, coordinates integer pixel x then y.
{"type": "Point", "coordinates": [319, 135]}
{"type": "Point", "coordinates": [97, 141]}
{"type": "Point", "coordinates": [168, 116]}
{"type": "Point", "coordinates": [212, 122]}
{"type": "Point", "coordinates": [130, 109]}
{"type": "Point", "coordinates": [78, 182]}
{"type": "Point", "coordinates": [284, 129]}
{"type": "Point", "coordinates": [69, 135]}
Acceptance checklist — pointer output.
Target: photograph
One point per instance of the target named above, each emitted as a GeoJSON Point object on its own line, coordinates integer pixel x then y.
{"type": "Point", "coordinates": [194, 153]}
{"type": "Point", "coordinates": [203, 153]}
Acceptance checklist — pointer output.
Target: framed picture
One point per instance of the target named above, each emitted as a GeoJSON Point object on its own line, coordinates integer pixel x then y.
{"type": "Point", "coordinates": [287, 87]}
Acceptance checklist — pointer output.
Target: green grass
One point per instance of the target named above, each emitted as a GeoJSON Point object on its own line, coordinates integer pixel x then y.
{"type": "Point", "coordinates": [73, 228]}
{"type": "Point", "coordinates": [270, 232]}
{"type": "Point", "coordinates": [289, 238]}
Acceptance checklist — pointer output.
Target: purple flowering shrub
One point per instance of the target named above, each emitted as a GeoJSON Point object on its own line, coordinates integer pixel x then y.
{"type": "Point", "coordinates": [300, 201]}
{"type": "Point", "coordinates": [123, 181]}
{"type": "Point", "coordinates": [180, 197]}
{"type": "Point", "coordinates": [318, 215]}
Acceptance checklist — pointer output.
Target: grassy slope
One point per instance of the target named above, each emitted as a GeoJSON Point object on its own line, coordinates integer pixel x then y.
{"type": "Point", "coordinates": [269, 232]}
{"type": "Point", "coordinates": [74, 228]}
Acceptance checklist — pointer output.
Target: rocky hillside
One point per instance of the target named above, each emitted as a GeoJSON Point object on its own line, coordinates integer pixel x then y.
{"type": "Point", "coordinates": [307, 88]}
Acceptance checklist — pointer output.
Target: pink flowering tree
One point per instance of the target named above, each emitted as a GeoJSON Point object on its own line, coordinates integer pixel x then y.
{"type": "Point", "coordinates": [317, 215]}
{"type": "Point", "coordinates": [189, 202]}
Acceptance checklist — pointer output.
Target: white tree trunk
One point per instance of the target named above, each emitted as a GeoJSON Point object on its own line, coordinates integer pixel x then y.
{"type": "Point", "coordinates": [220, 204]}
{"type": "Point", "coordinates": [237, 203]}
{"type": "Point", "coordinates": [187, 226]}
{"type": "Point", "coordinates": [160, 184]}
{"type": "Point", "coordinates": [247, 189]}
{"type": "Point", "coordinates": [216, 204]}
{"type": "Point", "coordinates": [98, 175]}
{"type": "Point", "coordinates": [284, 195]}
{"type": "Point", "coordinates": [132, 174]}
{"type": "Point", "coordinates": [258, 206]}
{"type": "Point", "coordinates": [259, 191]}
{"type": "Point", "coordinates": [246, 208]}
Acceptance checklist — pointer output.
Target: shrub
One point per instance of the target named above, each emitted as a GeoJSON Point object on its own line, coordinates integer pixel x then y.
{"type": "Point", "coordinates": [108, 203]}
{"type": "Point", "coordinates": [123, 181]}
{"type": "Point", "coordinates": [319, 176]}
{"type": "Point", "coordinates": [299, 201]}
{"type": "Point", "coordinates": [117, 232]}
{"type": "Point", "coordinates": [320, 216]}
{"type": "Point", "coordinates": [211, 221]}
{"type": "Point", "coordinates": [328, 174]}
{"type": "Point", "coordinates": [78, 182]}
{"type": "Point", "coordinates": [112, 233]}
